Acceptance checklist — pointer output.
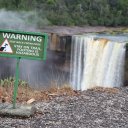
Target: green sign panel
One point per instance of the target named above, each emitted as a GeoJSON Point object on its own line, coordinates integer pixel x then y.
{"type": "Point", "coordinates": [23, 44]}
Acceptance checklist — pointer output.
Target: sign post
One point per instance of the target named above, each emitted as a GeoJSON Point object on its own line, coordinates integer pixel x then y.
{"type": "Point", "coordinates": [16, 83]}
{"type": "Point", "coordinates": [20, 45]}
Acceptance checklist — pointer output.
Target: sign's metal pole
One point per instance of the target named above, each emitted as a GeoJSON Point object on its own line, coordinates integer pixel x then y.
{"type": "Point", "coordinates": [16, 83]}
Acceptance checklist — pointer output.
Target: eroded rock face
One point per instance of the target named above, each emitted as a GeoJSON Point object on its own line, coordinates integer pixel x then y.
{"type": "Point", "coordinates": [60, 45]}
{"type": "Point", "coordinates": [126, 68]}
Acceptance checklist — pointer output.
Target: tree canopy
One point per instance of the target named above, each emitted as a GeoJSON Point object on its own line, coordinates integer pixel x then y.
{"type": "Point", "coordinates": [75, 12]}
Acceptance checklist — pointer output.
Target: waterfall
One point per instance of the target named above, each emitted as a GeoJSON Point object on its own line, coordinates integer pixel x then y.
{"type": "Point", "coordinates": [96, 62]}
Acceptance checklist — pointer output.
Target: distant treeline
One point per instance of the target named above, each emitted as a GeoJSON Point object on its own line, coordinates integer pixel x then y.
{"type": "Point", "coordinates": [75, 12]}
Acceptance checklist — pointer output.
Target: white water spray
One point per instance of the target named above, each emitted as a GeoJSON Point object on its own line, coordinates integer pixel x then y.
{"type": "Point", "coordinates": [96, 62]}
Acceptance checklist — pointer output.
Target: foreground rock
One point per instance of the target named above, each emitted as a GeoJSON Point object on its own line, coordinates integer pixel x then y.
{"type": "Point", "coordinates": [90, 109]}
{"type": "Point", "coordinates": [20, 110]}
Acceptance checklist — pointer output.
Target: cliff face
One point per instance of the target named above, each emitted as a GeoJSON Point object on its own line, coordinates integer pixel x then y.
{"type": "Point", "coordinates": [59, 42]}
{"type": "Point", "coordinates": [61, 45]}
{"type": "Point", "coordinates": [126, 68]}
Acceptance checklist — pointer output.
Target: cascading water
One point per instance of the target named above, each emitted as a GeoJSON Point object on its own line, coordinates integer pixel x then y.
{"type": "Point", "coordinates": [96, 62]}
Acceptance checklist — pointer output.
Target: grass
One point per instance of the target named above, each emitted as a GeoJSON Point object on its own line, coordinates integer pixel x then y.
{"type": "Point", "coordinates": [26, 93]}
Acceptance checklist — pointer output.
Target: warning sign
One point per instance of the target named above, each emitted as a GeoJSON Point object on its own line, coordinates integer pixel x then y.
{"type": "Point", "coordinates": [23, 44]}
{"type": "Point", "coordinates": [5, 47]}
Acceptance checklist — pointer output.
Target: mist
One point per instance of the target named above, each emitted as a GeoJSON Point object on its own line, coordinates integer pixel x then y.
{"type": "Point", "coordinates": [36, 73]}
{"type": "Point", "coordinates": [22, 20]}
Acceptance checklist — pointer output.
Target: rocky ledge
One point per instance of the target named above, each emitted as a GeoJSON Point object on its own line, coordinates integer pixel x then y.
{"type": "Point", "coordinates": [94, 108]}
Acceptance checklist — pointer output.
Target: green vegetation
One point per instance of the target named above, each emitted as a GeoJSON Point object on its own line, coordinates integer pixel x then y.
{"type": "Point", "coordinates": [10, 82]}
{"type": "Point", "coordinates": [25, 92]}
{"type": "Point", "coordinates": [74, 12]}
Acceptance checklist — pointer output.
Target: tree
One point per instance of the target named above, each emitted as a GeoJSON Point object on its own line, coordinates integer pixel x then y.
{"type": "Point", "coordinates": [74, 12]}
